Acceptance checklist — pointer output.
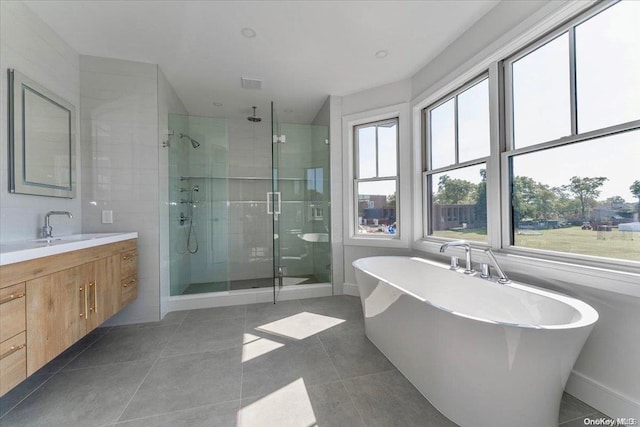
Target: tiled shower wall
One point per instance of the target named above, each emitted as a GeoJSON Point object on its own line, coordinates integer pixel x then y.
{"type": "Point", "coordinates": [120, 164]}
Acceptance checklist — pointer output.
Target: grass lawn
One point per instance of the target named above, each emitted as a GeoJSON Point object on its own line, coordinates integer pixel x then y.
{"type": "Point", "coordinates": [610, 244]}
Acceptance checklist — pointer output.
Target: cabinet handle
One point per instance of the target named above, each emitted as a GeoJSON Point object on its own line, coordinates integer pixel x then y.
{"type": "Point", "coordinates": [11, 297]}
{"type": "Point", "coordinates": [129, 256]}
{"type": "Point", "coordinates": [92, 289]}
{"type": "Point", "coordinates": [84, 298]}
{"type": "Point", "coordinates": [95, 296]}
{"type": "Point", "coordinates": [12, 350]}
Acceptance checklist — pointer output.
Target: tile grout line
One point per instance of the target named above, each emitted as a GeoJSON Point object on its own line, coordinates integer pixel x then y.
{"type": "Point", "coordinates": [579, 417]}
{"type": "Point", "coordinates": [244, 327]}
{"type": "Point", "coordinates": [146, 375]}
{"type": "Point", "coordinates": [342, 381]}
{"type": "Point", "coordinates": [54, 374]}
{"type": "Point", "coordinates": [175, 411]}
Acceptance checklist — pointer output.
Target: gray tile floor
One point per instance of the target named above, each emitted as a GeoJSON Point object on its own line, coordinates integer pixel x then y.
{"type": "Point", "coordinates": [297, 363]}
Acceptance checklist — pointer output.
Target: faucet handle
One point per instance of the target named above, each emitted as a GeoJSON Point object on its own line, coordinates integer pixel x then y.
{"type": "Point", "coordinates": [485, 271]}
{"type": "Point", "coordinates": [454, 263]}
{"type": "Point", "coordinates": [46, 231]}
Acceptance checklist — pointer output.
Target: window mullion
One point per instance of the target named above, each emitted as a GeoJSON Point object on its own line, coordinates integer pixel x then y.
{"type": "Point", "coordinates": [377, 151]}
{"type": "Point", "coordinates": [455, 121]}
{"type": "Point", "coordinates": [572, 81]}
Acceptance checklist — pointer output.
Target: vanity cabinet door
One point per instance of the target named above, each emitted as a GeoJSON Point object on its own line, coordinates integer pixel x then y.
{"type": "Point", "coordinates": [103, 295]}
{"type": "Point", "coordinates": [57, 307]}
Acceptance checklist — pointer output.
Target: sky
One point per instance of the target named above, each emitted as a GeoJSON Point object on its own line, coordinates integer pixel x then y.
{"type": "Point", "coordinates": [608, 93]}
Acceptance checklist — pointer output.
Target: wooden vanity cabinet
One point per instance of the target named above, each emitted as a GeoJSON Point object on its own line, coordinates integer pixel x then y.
{"type": "Point", "coordinates": [13, 356]}
{"type": "Point", "coordinates": [63, 297]}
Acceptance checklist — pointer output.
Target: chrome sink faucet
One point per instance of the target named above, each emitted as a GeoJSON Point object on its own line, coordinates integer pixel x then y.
{"type": "Point", "coordinates": [46, 230]}
{"type": "Point", "coordinates": [467, 251]}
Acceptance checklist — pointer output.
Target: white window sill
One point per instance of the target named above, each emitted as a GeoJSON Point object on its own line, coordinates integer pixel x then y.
{"type": "Point", "coordinates": [545, 270]}
{"type": "Point", "coordinates": [377, 242]}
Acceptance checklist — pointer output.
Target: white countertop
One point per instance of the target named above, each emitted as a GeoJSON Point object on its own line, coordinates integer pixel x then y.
{"type": "Point", "coordinates": [26, 250]}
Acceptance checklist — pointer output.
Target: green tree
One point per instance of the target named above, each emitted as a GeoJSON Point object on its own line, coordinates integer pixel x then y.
{"type": "Point", "coordinates": [635, 190]}
{"type": "Point", "coordinates": [391, 199]}
{"type": "Point", "coordinates": [454, 191]}
{"type": "Point", "coordinates": [586, 190]}
{"type": "Point", "coordinates": [567, 207]}
{"type": "Point", "coordinates": [531, 199]}
{"type": "Point", "coordinates": [615, 201]}
{"type": "Point", "coordinates": [480, 207]}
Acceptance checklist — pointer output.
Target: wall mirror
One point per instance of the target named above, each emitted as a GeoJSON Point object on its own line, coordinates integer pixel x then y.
{"type": "Point", "coordinates": [42, 143]}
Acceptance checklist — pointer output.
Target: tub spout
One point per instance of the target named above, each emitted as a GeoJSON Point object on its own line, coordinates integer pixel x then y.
{"type": "Point", "coordinates": [467, 252]}
{"type": "Point", "coordinates": [502, 277]}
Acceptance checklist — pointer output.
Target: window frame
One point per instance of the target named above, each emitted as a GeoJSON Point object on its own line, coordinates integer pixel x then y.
{"type": "Point", "coordinates": [543, 27]}
{"type": "Point", "coordinates": [403, 175]}
{"type": "Point", "coordinates": [428, 172]}
{"type": "Point", "coordinates": [377, 177]}
{"type": "Point", "coordinates": [510, 150]}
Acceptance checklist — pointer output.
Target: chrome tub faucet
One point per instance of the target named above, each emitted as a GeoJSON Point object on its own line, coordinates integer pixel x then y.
{"type": "Point", "coordinates": [502, 277]}
{"type": "Point", "coordinates": [467, 251]}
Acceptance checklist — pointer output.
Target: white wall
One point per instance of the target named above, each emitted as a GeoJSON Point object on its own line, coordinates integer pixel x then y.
{"type": "Point", "coordinates": [32, 48]}
{"type": "Point", "coordinates": [371, 99]}
{"type": "Point", "coordinates": [120, 149]}
{"type": "Point", "coordinates": [607, 374]}
{"type": "Point", "coordinates": [490, 29]}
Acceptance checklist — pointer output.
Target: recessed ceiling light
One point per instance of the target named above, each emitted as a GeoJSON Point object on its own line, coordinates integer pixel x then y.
{"type": "Point", "coordinates": [382, 54]}
{"type": "Point", "coordinates": [217, 104]}
{"type": "Point", "coordinates": [248, 32]}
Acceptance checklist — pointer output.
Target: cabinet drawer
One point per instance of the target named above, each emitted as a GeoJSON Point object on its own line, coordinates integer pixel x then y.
{"type": "Point", "coordinates": [129, 290]}
{"type": "Point", "coordinates": [13, 362]}
{"type": "Point", "coordinates": [12, 311]}
{"type": "Point", "coordinates": [128, 264]}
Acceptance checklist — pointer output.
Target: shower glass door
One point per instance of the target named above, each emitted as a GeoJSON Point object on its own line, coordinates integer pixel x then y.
{"type": "Point", "coordinates": [299, 203]}
{"type": "Point", "coordinates": [274, 205]}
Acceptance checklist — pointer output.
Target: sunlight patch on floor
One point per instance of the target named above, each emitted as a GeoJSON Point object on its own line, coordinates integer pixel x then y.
{"type": "Point", "coordinates": [287, 406]}
{"type": "Point", "coordinates": [254, 346]}
{"type": "Point", "coordinates": [301, 325]}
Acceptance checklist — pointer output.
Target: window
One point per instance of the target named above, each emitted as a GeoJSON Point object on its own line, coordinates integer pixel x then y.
{"type": "Point", "coordinates": [376, 178]}
{"type": "Point", "coordinates": [458, 142]}
{"type": "Point", "coordinates": [573, 146]}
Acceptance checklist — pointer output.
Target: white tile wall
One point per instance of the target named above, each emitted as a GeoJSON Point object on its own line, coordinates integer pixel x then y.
{"type": "Point", "coordinates": [32, 48]}
{"type": "Point", "coordinates": [120, 158]}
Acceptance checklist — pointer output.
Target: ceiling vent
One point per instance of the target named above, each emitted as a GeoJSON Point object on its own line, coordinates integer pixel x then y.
{"type": "Point", "coordinates": [249, 83]}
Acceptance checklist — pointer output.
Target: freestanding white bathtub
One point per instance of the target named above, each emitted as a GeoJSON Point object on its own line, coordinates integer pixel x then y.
{"type": "Point", "coordinates": [484, 354]}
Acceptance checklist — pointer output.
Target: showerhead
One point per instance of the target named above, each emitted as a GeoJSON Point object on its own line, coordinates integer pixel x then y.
{"type": "Point", "coordinates": [195, 188]}
{"type": "Point", "coordinates": [194, 143]}
{"type": "Point", "coordinates": [254, 118]}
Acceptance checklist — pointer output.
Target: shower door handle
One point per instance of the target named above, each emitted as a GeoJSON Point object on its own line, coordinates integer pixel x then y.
{"type": "Point", "coordinates": [274, 203]}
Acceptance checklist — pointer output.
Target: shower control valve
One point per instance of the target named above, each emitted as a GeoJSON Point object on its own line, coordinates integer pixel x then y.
{"type": "Point", "coordinates": [183, 218]}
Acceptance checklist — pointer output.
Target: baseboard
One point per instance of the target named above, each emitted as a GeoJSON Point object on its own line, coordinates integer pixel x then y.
{"type": "Point", "coordinates": [351, 289]}
{"type": "Point", "coordinates": [606, 400]}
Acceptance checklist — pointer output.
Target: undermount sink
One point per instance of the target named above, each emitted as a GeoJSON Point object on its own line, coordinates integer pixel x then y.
{"type": "Point", "coordinates": [25, 250]}
{"type": "Point", "coordinates": [50, 240]}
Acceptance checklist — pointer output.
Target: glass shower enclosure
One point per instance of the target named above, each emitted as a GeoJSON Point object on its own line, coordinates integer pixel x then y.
{"type": "Point", "coordinates": [249, 205]}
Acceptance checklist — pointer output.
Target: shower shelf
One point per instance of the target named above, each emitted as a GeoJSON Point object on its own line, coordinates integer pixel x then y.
{"type": "Point", "coordinates": [246, 178]}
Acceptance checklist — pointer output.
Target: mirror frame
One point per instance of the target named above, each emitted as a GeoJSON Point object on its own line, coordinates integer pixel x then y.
{"type": "Point", "coordinates": [19, 85]}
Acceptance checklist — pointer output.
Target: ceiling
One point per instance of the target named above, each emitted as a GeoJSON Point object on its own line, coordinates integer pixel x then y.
{"type": "Point", "coordinates": [303, 50]}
